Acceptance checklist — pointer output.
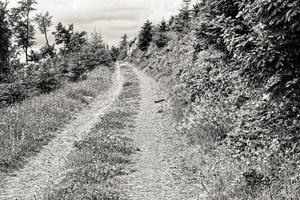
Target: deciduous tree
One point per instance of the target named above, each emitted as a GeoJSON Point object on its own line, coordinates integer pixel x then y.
{"type": "Point", "coordinates": [5, 35]}
{"type": "Point", "coordinates": [22, 24]}
{"type": "Point", "coordinates": [44, 22]}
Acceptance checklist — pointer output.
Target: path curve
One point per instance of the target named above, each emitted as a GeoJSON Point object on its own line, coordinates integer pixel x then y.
{"type": "Point", "coordinates": [47, 167]}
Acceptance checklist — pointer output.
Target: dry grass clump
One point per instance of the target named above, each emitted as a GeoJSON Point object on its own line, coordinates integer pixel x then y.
{"type": "Point", "coordinates": [26, 127]}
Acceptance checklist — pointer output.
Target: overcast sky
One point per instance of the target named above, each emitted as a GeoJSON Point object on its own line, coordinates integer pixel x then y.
{"type": "Point", "coordinates": [112, 17]}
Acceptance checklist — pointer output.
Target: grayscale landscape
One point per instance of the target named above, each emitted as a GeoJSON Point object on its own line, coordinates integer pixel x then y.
{"type": "Point", "coordinates": [160, 100]}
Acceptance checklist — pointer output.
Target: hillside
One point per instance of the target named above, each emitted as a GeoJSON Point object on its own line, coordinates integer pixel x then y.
{"type": "Point", "coordinates": [233, 78]}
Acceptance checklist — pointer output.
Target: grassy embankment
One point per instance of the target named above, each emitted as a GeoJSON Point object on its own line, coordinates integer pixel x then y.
{"type": "Point", "coordinates": [104, 153]}
{"type": "Point", "coordinates": [25, 127]}
{"type": "Point", "coordinates": [210, 104]}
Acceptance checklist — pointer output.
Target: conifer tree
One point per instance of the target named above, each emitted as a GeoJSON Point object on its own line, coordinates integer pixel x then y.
{"type": "Point", "coordinates": [145, 36]}
{"type": "Point", "coordinates": [163, 27]}
{"type": "Point", "coordinates": [160, 38]}
{"type": "Point", "coordinates": [123, 48]}
{"type": "Point", "coordinates": [114, 52]}
{"type": "Point", "coordinates": [181, 22]}
{"type": "Point", "coordinates": [63, 35]}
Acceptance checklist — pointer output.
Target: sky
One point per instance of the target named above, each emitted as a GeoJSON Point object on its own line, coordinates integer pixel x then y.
{"type": "Point", "coordinates": [112, 18]}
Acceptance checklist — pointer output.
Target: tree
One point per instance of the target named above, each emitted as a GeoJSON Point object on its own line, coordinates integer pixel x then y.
{"type": "Point", "coordinates": [77, 41]}
{"type": "Point", "coordinates": [163, 27]}
{"type": "Point", "coordinates": [123, 48]}
{"type": "Point", "coordinates": [185, 12]}
{"type": "Point", "coordinates": [97, 42]}
{"type": "Point", "coordinates": [63, 35]}
{"type": "Point", "coordinates": [181, 22]}
{"type": "Point", "coordinates": [99, 51]}
{"type": "Point", "coordinates": [114, 52]}
{"type": "Point", "coordinates": [5, 35]}
{"type": "Point", "coordinates": [44, 22]}
{"type": "Point", "coordinates": [160, 38]}
{"type": "Point", "coordinates": [22, 24]}
{"type": "Point", "coordinates": [145, 36]}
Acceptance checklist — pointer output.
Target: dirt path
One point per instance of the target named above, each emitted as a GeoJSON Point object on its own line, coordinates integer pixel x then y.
{"type": "Point", "coordinates": [161, 168]}
{"type": "Point", "coordinates": [161, 172]}
{"type": "Point", "coordinates": [47, 167]}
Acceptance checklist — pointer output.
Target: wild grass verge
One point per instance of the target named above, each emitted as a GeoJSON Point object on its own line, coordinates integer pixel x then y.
{"type": "Point", "coordinates": [104, 153]}
{"type": "Point", "coordinates": [243, 142]}
{"type": "Point", "coordinates": [26, 127]}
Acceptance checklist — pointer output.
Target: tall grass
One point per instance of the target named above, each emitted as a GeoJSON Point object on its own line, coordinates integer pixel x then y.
{"type": "Point", "coordinates": [26, 127]}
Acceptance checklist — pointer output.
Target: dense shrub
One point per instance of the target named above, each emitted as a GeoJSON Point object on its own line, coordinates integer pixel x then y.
{"type": "Point", "coordinates": [50, 74]}
{"type": "Point", "coordinates": [235, 92]}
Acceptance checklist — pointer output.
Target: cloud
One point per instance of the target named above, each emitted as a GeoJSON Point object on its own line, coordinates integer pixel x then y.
{"type": "Point", "coordinates": [112, 17]}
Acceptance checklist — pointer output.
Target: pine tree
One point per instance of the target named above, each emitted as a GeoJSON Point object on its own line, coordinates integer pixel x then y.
{"type": "Point", "coordinates": [145, 36]}
{"type": "Point", "coordinates": [5, 43]}
{"type": "Point", "coordinates": [22, 24]}
{"type": "Point", "coordinates": [114, 52]}
{"type": "Point", "coordinates": [123, 48]}
{"type": "Point", "coordinates": [181, 23]}
{"type": "Point", "coordinates": [99, 50]}
{"type": "Point", "coordinates": [163, 27]}
{"type": "Point", "coordinates": [77, 41]}
{"type": "Point", "coordinates": [160, 37]}
{"type": "Point", "coordinates": [63, 35]}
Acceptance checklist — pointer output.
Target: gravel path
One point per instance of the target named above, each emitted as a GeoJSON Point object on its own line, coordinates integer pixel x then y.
{"type": "Point", "coordinates": [161, 172]}
{"type": "Point", "coordinates": [47, 167]}
{"type": "Point", "coordinates": [161, 169]}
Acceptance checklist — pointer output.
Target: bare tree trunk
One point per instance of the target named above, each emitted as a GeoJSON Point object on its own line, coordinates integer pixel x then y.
{"type": "Point", "coordinates": [27, 41]}
{"type": "Point", "coordinates": [26, 54]}
{"type": "Point", "coordinates": [47, 41]}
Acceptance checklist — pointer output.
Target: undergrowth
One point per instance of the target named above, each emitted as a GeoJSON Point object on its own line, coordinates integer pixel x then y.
{"type": "Point", "coordinates": [104, 153]}
{"type": "Point", "coordinates": [27, 126]}
{"type": "Point", "coordinates": [242, 134]}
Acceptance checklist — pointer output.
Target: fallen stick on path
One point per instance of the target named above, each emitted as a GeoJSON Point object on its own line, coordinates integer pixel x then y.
{"type": "Point", "coordinates": [159, 101]}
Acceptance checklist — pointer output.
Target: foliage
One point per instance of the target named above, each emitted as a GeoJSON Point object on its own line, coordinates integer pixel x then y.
{"type": "Point", "coordinates": [44, 22]}
{"type": "Point", "coordinates": [63, 35]}
{"type": "Point", "coordinates": [76, 42]}
{"type": "Point", "coordinates": [160, 37]}
{"type": "Point", "coordinates": [145, 36]}
{"type": "Point", "coordinates": [48, 74]}
{"type": "Point", "coordinates": [181, 22]}
{"type": "Point", "coordinates": [22, 24]}
{"type": "Point", "coordinates": [235, 92]}
{"type": "Point", "coordinates": [114, 53]}
{"type": "Point", "coordinates": [5, 36]}
{"type": "Point", "coordinates": [123, 47]}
